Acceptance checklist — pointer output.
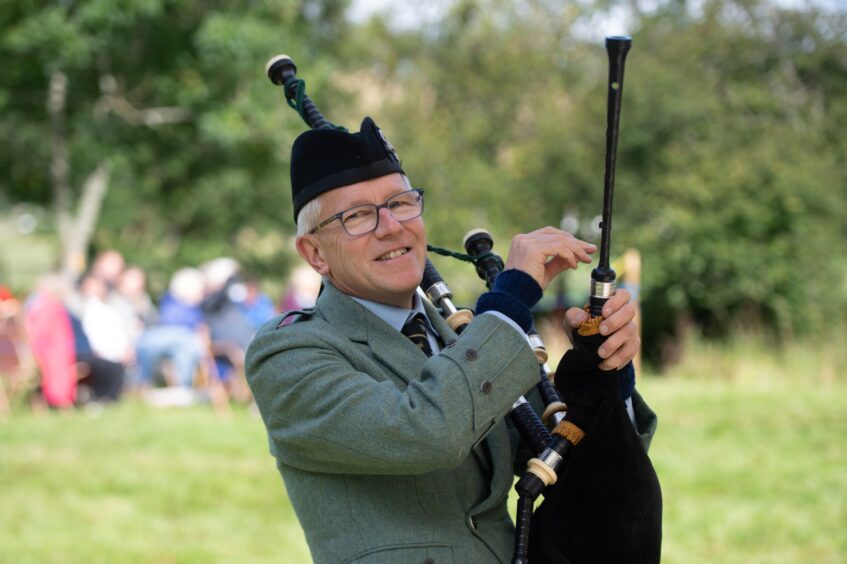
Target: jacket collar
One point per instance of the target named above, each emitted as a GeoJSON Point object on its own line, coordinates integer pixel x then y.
{"type": "Point", "coordinates": [384, 342]}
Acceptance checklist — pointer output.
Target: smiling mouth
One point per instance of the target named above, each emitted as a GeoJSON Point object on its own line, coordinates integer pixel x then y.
{"type": "Point", "coordinates": [394, 254]}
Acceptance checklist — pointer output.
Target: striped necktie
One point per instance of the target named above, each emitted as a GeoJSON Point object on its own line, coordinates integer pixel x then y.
{"type": "Point", "coordinates": [415, 330]}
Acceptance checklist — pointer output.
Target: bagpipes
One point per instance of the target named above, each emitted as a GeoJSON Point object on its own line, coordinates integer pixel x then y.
{"type": "Point", "coordinates": [602, 500]}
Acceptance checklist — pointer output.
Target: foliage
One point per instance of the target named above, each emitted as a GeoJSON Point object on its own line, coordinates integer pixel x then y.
{"type": "Point", "coordinates": [737, 167]}
{"type": "Point", "coordinates": [208, 178]}
{"type": "Point", "coordinates": [731, 177]}
{"type": "Point", "coordinates": [731, 172]}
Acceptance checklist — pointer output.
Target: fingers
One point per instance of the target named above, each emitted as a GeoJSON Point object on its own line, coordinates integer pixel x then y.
{"type": "Point", "coordinates": [574, 317]}
{"type": "Point", "coordinates": [563, 247]}
{"type": "Point", "coordinates": [565, 260]}
{"type": "Point", "coordinates": [616, 301]}
{"type": "Point", "coordinates": [617, 319]}
{"type": "Point", "coordinates": [620, 348]}
{"type": "Point", "coordinates": [545, 253]}
{"type": "Point", "coordinates": [618, 324]}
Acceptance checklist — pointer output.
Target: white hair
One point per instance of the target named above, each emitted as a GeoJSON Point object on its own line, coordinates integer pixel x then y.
{"type": "Point", "coordinates": [187, 285]}
{"type": "Point", "coordinates": [309, 216]}
{"type": "Point", "coordinates": [218, 271]}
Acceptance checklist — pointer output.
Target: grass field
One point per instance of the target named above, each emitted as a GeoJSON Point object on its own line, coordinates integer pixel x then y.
{"type": "Point", "coordinates": [752, 460]}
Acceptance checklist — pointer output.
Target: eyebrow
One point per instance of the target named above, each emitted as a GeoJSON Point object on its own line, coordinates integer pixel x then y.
{"type": "Point", "coordinates": [356, 203]}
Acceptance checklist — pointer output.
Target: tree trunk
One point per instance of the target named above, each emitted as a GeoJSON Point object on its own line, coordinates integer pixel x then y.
{"type": "Point", "coordinates": [80, 230]}
{"type": "Point", "coordinates": [56, 97]}
{"type": "Point", "coordinates": [74, 232]}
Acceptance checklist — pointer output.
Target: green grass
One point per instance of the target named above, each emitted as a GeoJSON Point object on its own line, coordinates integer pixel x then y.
{"type": "Point", "coordinates": [135, 485]}
{"type": "Point", "coordinates": [23, 257]}
{"type": "Point", "coordinates": [751, 474]}
{"type": "Point", "coordinates": [751, 452]}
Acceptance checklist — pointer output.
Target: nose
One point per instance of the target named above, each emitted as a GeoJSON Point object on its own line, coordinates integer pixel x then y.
{"type": "Point", "coordinates": [386, 223]}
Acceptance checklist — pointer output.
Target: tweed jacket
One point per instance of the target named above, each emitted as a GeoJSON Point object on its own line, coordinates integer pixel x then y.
{"type": "Point", "coordinates": [387, 455]}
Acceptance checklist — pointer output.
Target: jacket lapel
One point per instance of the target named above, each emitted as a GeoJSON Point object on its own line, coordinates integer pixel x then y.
{"type": "Point", "coordinates": [386, 344]}
{"type": "Point", "coordinates": [404, 359]}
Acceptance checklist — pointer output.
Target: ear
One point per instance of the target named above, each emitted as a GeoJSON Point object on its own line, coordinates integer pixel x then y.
{"type": "Point", "coordinates": [310, 250]}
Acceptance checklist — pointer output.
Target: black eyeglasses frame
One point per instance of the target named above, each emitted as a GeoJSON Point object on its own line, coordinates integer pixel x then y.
{"type": "Point", "coordinates": [377, 207]}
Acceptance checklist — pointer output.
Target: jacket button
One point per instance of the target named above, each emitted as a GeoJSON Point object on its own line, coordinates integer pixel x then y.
{"type": "Point", "coordinates": [472, 522]}
{"type": "Point", "coordinates": [486, 387]}
{"type": "Point", "coordinates": [471, 354]}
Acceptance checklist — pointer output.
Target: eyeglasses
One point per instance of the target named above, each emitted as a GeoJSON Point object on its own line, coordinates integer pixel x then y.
{"type": "Point", "coordinates": [361, 220]}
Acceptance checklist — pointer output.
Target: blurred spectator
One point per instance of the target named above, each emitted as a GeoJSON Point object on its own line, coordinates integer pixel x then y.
{"type": "Point", "coordinates": [98, 379]}
{"type": "Point", "coordinates": [133, 302]}
{"type": "Point", "coordinates": [225, 292]}
{"type": "Point", "coordinates": [103, 324]}
{"type": "Point", "coordinates": [230, 327]}
{"type": "Point", "coordinates": [102, 342]}
{"type": "Point", "coordinates": [8, 304]}
{"type": "Point", "coordinates": [302, 291]}
{"type": "Point", "coordinates": [51, 339]}
{"type": "Point", "coordinates": [12, 342]}
{"type": "Point", "coordinates": [181, 336]}
{"type": "Point", "coordinates": [108, 267]}
{"type": "Point", "coordinates": [257, 305]}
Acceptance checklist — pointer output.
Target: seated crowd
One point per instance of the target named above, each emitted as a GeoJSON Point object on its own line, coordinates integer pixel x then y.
{"type": "Point", "coordinates": [70, 343]}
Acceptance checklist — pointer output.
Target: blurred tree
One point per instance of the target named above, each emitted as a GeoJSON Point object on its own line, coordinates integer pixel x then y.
{"type": "Point", "coordinates": [731, 169]}
{"type": "Point", "coordinates": [481, 109]}
{"type": "Point", "coordinates": [736, 181]}
{"type": "Point", "coordinates": [160, 109]}
{"type": "Point", "coordinates": [732, 178]}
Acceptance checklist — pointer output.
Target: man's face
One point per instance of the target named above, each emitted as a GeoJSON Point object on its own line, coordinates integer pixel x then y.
{"type": "Point", "coordinates": [384, 266]}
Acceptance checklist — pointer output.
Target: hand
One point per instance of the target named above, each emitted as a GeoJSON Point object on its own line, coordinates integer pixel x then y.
{"type": "Point", "coordinates": [545, 253]}
{"type": "Point", "coordinates": [618, 325]}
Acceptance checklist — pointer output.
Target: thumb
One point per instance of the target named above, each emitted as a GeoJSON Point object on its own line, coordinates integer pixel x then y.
{"type": "Point", "coordinates": [575, 316]}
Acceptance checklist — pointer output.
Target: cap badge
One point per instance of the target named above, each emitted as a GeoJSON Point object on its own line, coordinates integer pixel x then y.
{"type": "Point", "coordinates": [387, 145]}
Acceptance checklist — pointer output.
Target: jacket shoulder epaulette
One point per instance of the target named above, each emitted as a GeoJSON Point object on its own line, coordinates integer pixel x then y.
{"type": "Point", "coordinates": [301, 315]}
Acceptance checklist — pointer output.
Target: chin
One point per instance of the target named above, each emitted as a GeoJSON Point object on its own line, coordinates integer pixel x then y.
{"type": "Point", "coordinates": [402, 289]}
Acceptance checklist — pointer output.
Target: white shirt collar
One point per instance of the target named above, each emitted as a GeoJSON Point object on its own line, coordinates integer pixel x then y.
{"type": "Point", "coordinates": [393, 315]}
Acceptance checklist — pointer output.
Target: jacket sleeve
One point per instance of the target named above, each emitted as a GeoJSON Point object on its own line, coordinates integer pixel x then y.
{"type": "Point", "coordinates": [330, 408]}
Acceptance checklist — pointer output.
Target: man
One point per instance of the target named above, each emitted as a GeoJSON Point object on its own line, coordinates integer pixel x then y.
{"type": "Point", "coordinates": [388, 454]}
